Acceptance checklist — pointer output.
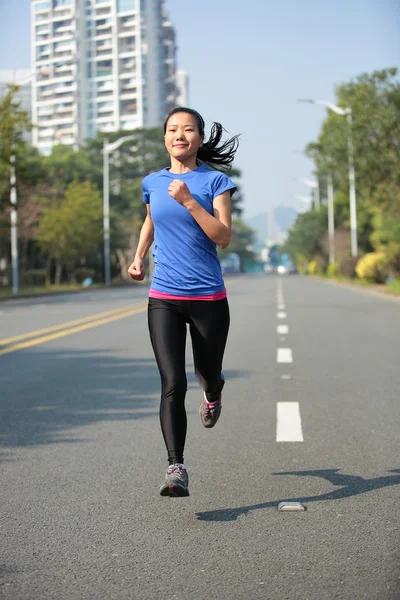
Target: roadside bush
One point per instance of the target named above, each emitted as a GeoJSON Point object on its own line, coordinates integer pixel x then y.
{"type": "Point", "coordinates": [373, 267]}
{"type": "Point", "coordinates": [333, 270]}
{"type": "Point", "coordinates": [392, 256]}
{"type": "Point", "coordinates": [34, 277]}
{"type": "Point", "coordinates": [347, 266]}
{"type": "Point", "coordinates": [313, 267]}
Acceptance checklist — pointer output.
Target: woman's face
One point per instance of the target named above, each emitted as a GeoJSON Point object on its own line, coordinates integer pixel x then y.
{"type": "Point", "coordinates": [182, 137]}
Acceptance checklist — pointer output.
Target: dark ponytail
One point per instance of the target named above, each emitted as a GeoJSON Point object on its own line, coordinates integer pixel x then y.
{"type": "Point", "coordinates": [213, 155]}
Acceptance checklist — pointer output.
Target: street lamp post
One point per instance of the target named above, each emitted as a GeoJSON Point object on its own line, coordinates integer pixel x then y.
{"type": "Point", "coordinates": [352, 185]}
{"type": "Point", "coordinates": [315, 186]}
{"type": "Point", "coordinates": [14, 213]}
{"type": "Point", "coordinates": [107, 149]}
{"type": "Point", "coordinates": [14, 234]}
{"type": "Point", "coordinates": [331, 221]}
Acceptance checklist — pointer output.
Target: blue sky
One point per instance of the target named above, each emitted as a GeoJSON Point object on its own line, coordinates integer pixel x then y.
{"type": "Point", "coordinates": [248, 67]}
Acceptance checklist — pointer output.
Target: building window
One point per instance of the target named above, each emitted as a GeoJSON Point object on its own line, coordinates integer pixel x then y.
{"type": "Point", "coordinates": [57, 3]}
{"type": "Point", "coordinates": [42, 6]}
{"type": "Point", "coordinates": [126, 5]}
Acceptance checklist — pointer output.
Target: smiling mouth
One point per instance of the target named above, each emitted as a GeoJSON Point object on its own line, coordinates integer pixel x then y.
{"type": "Point", "coordinates": [180, 145]}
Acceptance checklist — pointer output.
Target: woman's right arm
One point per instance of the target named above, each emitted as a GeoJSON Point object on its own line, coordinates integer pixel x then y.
{"type": "Point", "coordinates": [146, 238]}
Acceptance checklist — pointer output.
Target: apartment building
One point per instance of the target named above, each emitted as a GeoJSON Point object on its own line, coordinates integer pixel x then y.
{"type": "Point", "coordinates": [100, 65]}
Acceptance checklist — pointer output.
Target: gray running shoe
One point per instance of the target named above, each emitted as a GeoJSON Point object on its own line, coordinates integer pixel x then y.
{"type": "Point", "coordinates": [209, 413]}
{"type": "Point", "coordinates": [176, 481]}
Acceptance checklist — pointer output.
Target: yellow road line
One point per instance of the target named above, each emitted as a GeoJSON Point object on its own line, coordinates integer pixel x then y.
{"type": "Point", "coordinates": [70, 327]}
{"type": "Point", "coordinates": [59, 334]}
{"type": "Point", "coordinates": [65, 325]}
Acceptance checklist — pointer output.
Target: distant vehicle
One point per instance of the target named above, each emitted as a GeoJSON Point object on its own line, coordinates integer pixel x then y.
{"type": "Point", "coordinates": [230, 264]}
{"type": "Point", "coordinates": [268, 268]}
{"type": "Point", "coordinates": [286, 269]}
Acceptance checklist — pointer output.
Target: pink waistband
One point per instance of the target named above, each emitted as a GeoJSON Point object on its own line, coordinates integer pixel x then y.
{"type": "Point", "coordinates": [164, 296]}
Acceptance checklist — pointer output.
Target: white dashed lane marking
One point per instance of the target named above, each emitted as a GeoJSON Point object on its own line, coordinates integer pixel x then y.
{"type": "Point", "coordinates": [284, 355]}
{"type": "Point", "coordinates": [282, 329]}
{"type": "Point", "coordinates": [288, 422]}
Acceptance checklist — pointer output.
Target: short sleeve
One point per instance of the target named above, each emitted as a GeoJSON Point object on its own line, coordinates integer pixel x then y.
{"type": "Point", "coordinates": [221, 184]}
{"type": "Point", "coordinates": [146, 192]}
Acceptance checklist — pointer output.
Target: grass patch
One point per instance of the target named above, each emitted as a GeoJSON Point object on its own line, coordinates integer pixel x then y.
{"type": "Point", "coordinates": [37, 290]}
{"type": "Point", "coordinates": [394, 286]}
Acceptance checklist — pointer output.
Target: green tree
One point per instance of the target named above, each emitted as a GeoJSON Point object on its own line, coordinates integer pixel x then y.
{"type": "Point", "coordinates": [13, 124]}
{"type": "Point", "coordinates": [72, 231]}
{"type": "Point", "coordinates": [375, 103]}
{"type": "Point", "coordinates": [242, 240]}
{"type": "Point", "coordinates": [304, 240]}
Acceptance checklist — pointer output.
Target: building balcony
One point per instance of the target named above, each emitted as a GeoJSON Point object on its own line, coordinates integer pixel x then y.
{"type": "Point", "coordinates": [125, 34]}
{"type": "Point", "coordinates": [127, 74]}
{"type": "Point", "coordinates": [41, 18]}
{"type": "Point", "coordinates": [103, 45]}
{"type": "Point", "coordinates": [63, 28]}
{"type": "Point", "coordinates": [105, 109]}
{"type": "Point", "coordinates": [64, 110]}
{"type": "Point", "coordinates": [63, 37]}
{"type": "Point", "coordinates": [49, 131]}
{"type": "Point", "coordinates": [128, 95]}
{"type": "Point", "coordinates": [103, 26]}
{"type": "Point", "coordinates": [125, 53]}
{"type": "Point", "coordinates": [107, 86]}
{"type": "Point", "coordinates": [60, 77]}
{"type": "Point", "coordinates": [102, 36]}
{"type": "Point", "coordinates": [103, 55]}
{"type": "Point", "coordinates": [65, 131]}
{"type": "Point", "coordinates": [99, 16]}
{"type": "Point", "coordinates": [62, 17]}
{"type": "Point", "coordinates": [128, 23]}
{"type": "Point", "coordinates": [42, 37]}
{"type": "Point", "coordinates": [43, 114]}
{"type": "Point", "coordinates": [63, 69]}
{"type": "Point", "coordinates": [66, 48]}
{"type": "Point", "coordinates": [44, 95]}
{"type": "Point", "coordinates": [105, 118]}
{"type": "Point", "coordinates": [102, 74]}
{"type": "Point", "coordinates": [60, 87]}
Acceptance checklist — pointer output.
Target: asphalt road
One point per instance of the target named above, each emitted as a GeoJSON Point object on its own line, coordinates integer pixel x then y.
{"type": "Point", "coordinates": [311, 413]}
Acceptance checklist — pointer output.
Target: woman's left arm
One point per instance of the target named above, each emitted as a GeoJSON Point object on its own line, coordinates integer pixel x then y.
{"type": "Point", "coordinates": [217, 227]}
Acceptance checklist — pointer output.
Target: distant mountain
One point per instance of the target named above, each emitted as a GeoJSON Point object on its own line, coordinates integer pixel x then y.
{"type": "Point", "coordinates": [271, 225]}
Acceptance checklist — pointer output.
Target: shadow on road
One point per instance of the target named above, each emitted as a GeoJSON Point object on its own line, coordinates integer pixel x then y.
{"type": "Point", "coordinates": [350, 485]}
{"type": "Point", "coordinates": [47, 395]}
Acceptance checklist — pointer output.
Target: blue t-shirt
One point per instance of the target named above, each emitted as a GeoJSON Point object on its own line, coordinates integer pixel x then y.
{"type": "Point", "coordinates": [185, 259]}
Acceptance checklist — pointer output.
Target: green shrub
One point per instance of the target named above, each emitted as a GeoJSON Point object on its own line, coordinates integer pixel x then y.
{"type": "Point", "coordinates": [373, 267]}
{"type": "Point", "coordinates": [392, 256]}
{"type": "Point", "coordinates": [333, 270]}
{"type": "Point", "coordinates": [34, 277]}
{"type": "Point", "coordinates": [313, 268]}
{"type": "Point", "coordinates": [347, 266]}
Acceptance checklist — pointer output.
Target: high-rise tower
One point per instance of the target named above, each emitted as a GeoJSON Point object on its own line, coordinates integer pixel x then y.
{"type": "Point", "coordinates": [100, 65]}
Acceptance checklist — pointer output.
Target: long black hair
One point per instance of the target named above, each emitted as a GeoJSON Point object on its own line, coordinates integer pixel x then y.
{"type": "Point", "coordinates": [213, 155]}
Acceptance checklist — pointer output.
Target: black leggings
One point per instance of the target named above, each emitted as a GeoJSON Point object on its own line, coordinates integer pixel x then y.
{"type": "Point", "coordinates": [209, 325]}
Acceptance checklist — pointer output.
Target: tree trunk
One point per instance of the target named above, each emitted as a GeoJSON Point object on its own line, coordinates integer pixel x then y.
{"type": "Point", "coordinates": [57, 278]}
{"type": "Point", "coordinates": [48, 267]}
{"type": "Point", "coordinates": [122, 264]}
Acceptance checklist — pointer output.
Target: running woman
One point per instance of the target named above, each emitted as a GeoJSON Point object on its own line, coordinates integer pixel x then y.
{"type": "Point", "coordinates": [188, 216]}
